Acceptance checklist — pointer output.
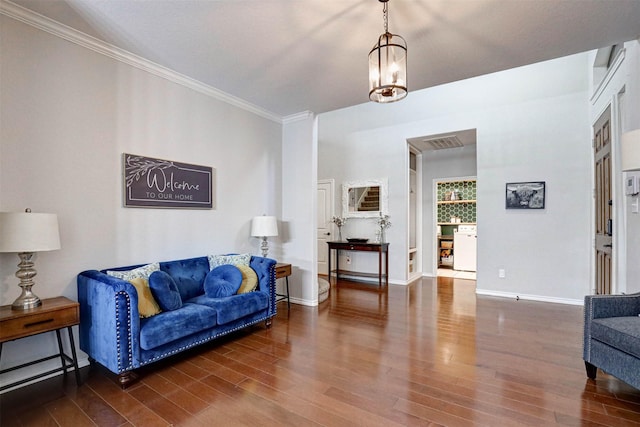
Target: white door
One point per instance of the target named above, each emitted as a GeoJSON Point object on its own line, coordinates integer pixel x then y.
{"type": "Point", "coordinates": [324, 227]}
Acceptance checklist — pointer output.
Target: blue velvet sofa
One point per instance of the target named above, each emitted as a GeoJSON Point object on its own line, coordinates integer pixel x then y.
{"type": "Point", "coordinates": [113, 334]}
{"type": "Point", "coordinates": [612, 336]}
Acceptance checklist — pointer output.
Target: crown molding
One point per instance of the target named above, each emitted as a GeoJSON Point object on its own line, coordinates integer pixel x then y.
{"type": "Point", "coordinates": [297, 117]}
{"type": "Point", "coordinates": [65, 32]}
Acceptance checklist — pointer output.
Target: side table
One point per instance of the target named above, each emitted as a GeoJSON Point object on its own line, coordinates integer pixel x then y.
{"type": "Point", "coordinates": [380, 248]}
{"type": "Point", "coordinates": [283, 270]}
{"type": "Point", "coordinates": [54, 314]}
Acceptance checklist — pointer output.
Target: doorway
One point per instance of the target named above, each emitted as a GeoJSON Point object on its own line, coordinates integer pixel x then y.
{"type": "Point", "coordinates": [456, 227]}
{"type": "Point", "coordinates": [445, 156]}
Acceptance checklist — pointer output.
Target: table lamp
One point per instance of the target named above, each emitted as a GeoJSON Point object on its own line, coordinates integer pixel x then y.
{"type": "Point", "coordinates": [26, 233]}
{"type": "Point", "coordinates": [264, 226]}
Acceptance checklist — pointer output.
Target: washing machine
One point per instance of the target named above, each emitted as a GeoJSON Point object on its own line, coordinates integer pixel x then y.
{"type": "Point", "coordinates": [465, 244]}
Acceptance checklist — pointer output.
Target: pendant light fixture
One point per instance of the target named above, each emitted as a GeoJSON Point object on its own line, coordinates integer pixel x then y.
{"type": "Point", "coordinates": [388, 65]}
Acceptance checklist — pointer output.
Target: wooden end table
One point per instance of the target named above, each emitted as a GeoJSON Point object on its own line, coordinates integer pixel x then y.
{"type": "Point", "coordinates": [54, 314]}
{"type": "Point", "coordinates": [283, 270]}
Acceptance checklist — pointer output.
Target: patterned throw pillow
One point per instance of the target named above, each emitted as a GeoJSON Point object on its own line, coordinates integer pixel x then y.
{"type": "Point", "coordinates": [143, 272]}
{"type": "Point", "coordinates": [249, 279]}
{"type": "Point", "coordinates": [218, 260]}
{"type": "Point", "coordinates": [139, 278]}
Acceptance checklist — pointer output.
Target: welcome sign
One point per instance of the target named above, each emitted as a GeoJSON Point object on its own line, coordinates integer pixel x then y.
{"type": "Point", "coordinates": [157, 183]}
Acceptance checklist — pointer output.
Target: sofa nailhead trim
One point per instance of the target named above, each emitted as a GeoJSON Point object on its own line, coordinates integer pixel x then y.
{"type": "Point", "coordinates": [202, 341]}
{"type": "Point", "coordinates": [130, 346]}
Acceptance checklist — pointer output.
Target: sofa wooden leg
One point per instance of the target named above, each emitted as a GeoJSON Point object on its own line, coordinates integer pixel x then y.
{"type": "Point", "coordinates": [268, 323]}
{"type": "Point", "coordinates": [591, 370]}
{"type": "Point", "coordinates": [125, 379]}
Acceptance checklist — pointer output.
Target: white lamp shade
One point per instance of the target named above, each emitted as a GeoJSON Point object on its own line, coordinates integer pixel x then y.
{"type": "Point", "coordinates": [630, 150]}
{"type": "Point", "coordinates": [28, 232]}
{"type": "Point", "coordinates": [264, 226]}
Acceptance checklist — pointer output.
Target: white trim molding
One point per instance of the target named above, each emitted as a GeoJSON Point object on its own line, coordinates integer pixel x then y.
{"type": "Point", "coordinates": [607, 78]}
{"type": "Point", "coordinates": [55, 28]}
{"type": "Point", "coordinates": [297, 117]}
{"type": "Point", "coordinates": [540, 298]}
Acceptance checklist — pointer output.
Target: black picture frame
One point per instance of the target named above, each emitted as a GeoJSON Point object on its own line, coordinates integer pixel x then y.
{"type": "Point", "coordinates": [525, 195]}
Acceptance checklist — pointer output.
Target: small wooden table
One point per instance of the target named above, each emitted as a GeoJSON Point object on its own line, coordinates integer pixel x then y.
{"type": "Point", "coordinates": [283, 270]}
{"type": "Point", "coordinates": [53, 315]}
{"type": "Point", "coordinates": [380, 248]}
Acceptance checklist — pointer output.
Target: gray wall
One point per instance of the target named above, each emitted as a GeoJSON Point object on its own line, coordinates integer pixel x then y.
{"type": "Point", "coordinates": [67, 114]}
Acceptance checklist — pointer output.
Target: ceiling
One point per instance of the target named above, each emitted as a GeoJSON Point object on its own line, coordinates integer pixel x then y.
{"type": "Point", "coordinates": [290, 56]}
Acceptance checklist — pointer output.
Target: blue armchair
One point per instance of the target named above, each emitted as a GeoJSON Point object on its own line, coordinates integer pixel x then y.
{"type": "Point", "coordinates": [612, 336]}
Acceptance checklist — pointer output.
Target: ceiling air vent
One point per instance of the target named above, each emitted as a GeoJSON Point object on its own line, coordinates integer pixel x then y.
{"type": "Point", "coordinates": [443, 142]}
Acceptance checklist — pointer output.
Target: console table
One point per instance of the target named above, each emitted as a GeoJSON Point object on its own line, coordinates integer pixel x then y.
{"type": "Point", "coordinates": [54, 314]}
{"type": "Point", "coordinates": [380, 248]}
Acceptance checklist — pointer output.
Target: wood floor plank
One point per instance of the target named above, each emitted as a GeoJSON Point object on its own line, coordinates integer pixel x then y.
{"type": "Point", "coordinates": [429, 354]}
{"type": "Point", "coordinates": [160, 405]}
{"type": "Point", "coordinates": [309, 410]}
{"type": "Point", "coordinates": [65, 409]}
{"type": "Point", "coordinates": [96, 409]}
{"type": "Point", "coordinates": [136, 412]}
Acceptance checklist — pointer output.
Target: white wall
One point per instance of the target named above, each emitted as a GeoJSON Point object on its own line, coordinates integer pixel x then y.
{"type": "Point", "coordinates": [632, 220]}
{"type": "Point", "coordinates": [364, 155]}
{"type": "Point", "coordinates": [532, 124]}
{"type": "Point", "coordinates": [299, 200]}
{"type": "Point", "coordinates": [66, 116]}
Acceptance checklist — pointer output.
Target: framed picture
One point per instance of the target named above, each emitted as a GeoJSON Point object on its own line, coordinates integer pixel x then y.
{"type": "Point", "coordinates": [525, 195]}
{"type": "Point", "coordinates": [157, 183]}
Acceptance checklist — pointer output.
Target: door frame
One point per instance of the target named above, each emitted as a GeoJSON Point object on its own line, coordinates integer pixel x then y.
{"type": "Point", "coordinates": [417, 270]}
{"type": "Point", "coordinates": [610, 92]}
{"type": "Point", "coordinates": [332, 207]}
{"type": "Point", "coordinates": [434, 189]}
{"type": "Point", "coordinates": [618, 214]}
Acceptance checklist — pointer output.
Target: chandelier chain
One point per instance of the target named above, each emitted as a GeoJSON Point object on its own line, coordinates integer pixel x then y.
{"type": "Point", "coordinates": [385, 14]}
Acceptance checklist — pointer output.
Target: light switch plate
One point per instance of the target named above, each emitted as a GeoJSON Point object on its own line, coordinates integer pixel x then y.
{"type": "Point", "coordinates": [631, 186]}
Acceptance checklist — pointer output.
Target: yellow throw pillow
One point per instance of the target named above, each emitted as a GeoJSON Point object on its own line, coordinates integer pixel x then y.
{"type": "Point", "coordinates": [147, 305]}
{"type": "Point", "coordinates": [249, 279]}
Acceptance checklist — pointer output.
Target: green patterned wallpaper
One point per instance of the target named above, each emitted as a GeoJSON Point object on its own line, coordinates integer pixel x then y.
{"type": "Point", "coordinates": [466, 190]}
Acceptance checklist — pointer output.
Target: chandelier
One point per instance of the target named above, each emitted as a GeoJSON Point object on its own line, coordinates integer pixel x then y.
{"type": "Point", "coordinates": [388, 65]}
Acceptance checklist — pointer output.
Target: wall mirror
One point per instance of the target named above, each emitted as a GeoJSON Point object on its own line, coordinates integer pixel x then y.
{"type": "Point", "coordinates": [365, 199]}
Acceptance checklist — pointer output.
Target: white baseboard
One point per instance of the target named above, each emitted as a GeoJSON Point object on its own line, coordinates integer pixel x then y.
{"type": "Point", "coordinates": [541, 298]}
{"type": "Point", "coordinates": [307, 302]}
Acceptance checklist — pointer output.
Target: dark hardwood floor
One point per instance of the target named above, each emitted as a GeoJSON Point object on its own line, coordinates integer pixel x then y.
{"type": "Point", "coordinates": [432, 353]}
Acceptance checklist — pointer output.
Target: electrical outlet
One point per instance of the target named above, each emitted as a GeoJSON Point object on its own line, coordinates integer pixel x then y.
{"type": "Point", "coordinates": [348, 260]}
{"type": "Point", "coordinates": [501, 273]}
